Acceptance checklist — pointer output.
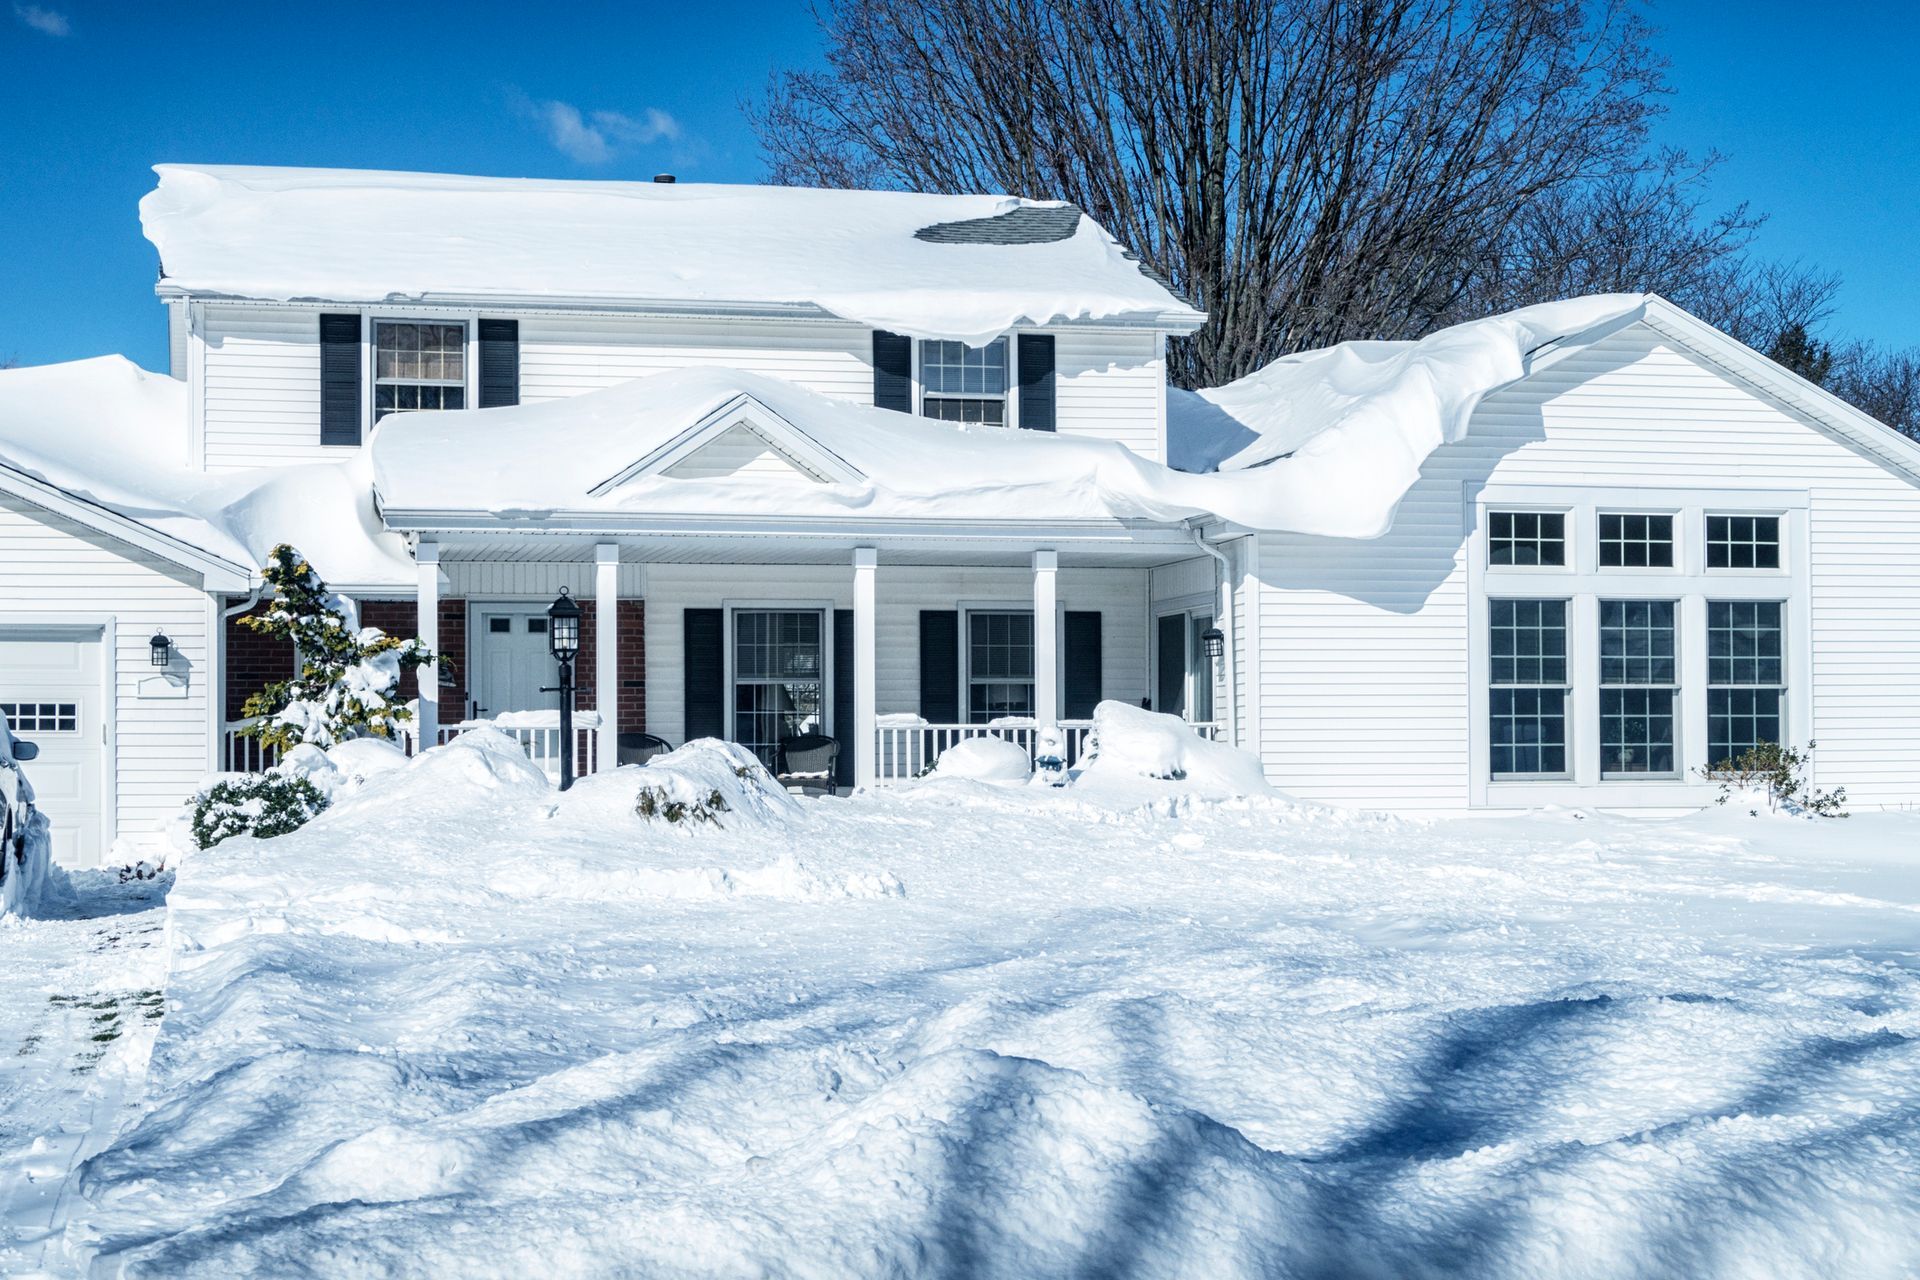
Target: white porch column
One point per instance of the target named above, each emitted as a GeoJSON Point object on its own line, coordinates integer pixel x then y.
{"type": "Point", "coordinates": [426, 559]}
{"type": "Point", "coordinates": [1046, 638]}
{"type": "Point", "coordinates": [865, 732]}
{"type": "Point", "coordinates": [606, 654]}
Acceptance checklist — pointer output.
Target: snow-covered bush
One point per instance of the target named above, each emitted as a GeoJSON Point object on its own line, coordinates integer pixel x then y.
{"type": "Point", "coordinates": [1129, 743]}
{"type": "Point", "coordinates": [706, 779]}
{"type": "Point", "coordinates": [1776, 776]}
{"type": "Point", "coordinates": [984, 759]}
{"type": "Point", "coordinates": [349, 675]}
{"type": "Point", "coordinates": [257, 804]}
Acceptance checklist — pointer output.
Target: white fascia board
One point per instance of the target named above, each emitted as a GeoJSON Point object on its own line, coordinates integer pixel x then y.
{"type": "Point", "coordinates": [216, 572]}
{"type": "Point", "coordinates": [451, 522]}
{"type": "Point", "coordinates": [776, 430]}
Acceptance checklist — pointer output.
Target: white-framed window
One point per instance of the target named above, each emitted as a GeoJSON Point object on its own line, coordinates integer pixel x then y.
{"type": "Point", "coordinates": [42, 717]}
{"type": "Point", "coordinates": [1527, 728]}
{"type": "Point", "coordinates": [418, 364]}
{"type": "Point", "coordinates": [959, 383]}
{"type": "Point", "coordinates": [999, 664]}
{"type": "Point", "coordinates": [1639, 689]}
{"type": "Point", "coordinates": [1635, 540]}
{"type": "Point", "coordinates": [1743, 542]}
{"type": "Point", "coordinates": [779, 678]}
{"type": "Point", "coordinates": [1746, 676]}
{"type": "Point", "coordinates": [1526, 538]}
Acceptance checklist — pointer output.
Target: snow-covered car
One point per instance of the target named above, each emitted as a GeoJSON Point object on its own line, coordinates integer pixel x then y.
{"type": "Point", "coordinates": [16, 796]}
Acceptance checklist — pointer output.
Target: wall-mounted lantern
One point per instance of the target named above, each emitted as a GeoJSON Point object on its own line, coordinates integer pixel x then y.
{"type": "Point", "coordinates": [1214, 641]}
{"type": "Point", "coordinates": [160, 649]}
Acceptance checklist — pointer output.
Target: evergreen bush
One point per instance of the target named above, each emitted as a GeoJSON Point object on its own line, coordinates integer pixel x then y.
{"type": "Point", "coordinates": [258, 805]}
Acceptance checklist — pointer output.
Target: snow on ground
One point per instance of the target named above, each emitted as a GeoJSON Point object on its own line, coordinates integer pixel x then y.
{"type": "Point", "coordinates": [80, 1001]}
{"type": "Point", "coordinates": [464, 1025]}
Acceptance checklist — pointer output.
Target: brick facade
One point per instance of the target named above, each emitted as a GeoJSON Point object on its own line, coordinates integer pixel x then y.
{"type": "Point", "coordinates": [254, 661]}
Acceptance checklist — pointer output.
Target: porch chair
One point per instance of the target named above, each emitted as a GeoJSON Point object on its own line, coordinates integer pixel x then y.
{"type": "Point", "coordinates": [638, 748]}
{"type": "Point", "coordinates": [807, 762]}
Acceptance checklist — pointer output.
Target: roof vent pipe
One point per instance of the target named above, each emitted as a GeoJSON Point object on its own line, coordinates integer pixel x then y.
{"type": "Point", "coordinates": [663, 177]}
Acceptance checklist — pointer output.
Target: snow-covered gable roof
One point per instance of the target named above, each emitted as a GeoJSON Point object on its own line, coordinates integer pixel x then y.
{"type": "Point", "coordinates": [959, 267]}
{"type": "Point", "coordinates": [710, 448]}
{"type": "Point", "coordinates": [108, 433]}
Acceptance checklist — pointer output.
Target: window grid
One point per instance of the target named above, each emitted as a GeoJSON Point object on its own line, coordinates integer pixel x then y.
{"type": "Point", "coordinates": [1743, 542]}
{"type": "Point", "coordinates": [1638, 675]}
{"type": "Point", "coordinates": [1746, 676]}
{"type": "Point", "coordinates": [1528, 707]}
{"type": "Point", "coordinates": [1630, 540]}
{"type": "Point", "coordinates": [999, 665]}
{"type": "Point", "coordinates": [964, 384]}
{"type": "Point", "coordinates": [418, 366]}
{"type": "Point", "coordinates": [777, 678]}
{"type": "Point", "coordinates": [1526, 538]}
{"type": "Point", "coordinates": [42, 717]}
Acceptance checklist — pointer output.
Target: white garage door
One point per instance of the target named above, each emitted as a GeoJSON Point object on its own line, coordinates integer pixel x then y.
{"type": "Point", "coordinates": [50, 690]}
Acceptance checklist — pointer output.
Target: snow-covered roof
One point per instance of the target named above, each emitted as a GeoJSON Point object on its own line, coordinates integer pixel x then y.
{"type": "Point", "coordinates": [957, 267]}
{"type": "Point", "coordinates": [1326, 443]}
{"type": "Point", "coordinates": [111, 434]}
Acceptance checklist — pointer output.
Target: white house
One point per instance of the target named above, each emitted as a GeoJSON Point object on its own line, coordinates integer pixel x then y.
{"type": "Point", "coordinates": [891, 467]}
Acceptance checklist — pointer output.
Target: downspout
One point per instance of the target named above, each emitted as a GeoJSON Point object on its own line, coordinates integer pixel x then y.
{"type": "Point", "coordinates": [1225, 589]}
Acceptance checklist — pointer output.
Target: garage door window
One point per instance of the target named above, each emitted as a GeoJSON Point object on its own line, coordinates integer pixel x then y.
{"type": "Point", "coordinates": [42, 717]}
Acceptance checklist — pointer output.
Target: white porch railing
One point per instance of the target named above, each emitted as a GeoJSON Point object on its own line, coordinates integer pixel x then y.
{"type": "Point", "coordinates": [908, 748]}
{"type": "Point", "coordinates": [242, 754]}
{"type": "Point", "coordinates": [538, 733]}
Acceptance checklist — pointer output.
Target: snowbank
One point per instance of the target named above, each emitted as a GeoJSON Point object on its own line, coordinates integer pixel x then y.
{"type": "Point", "coordinates": [116, 435]}
{"type": "Point", "coordinates": [984, 759]}
{"type": "Point", "coordinates": [707, 781]}
{"type": "Point", "coordinates": [1128, 744]}
{"type": "Point", "coordinates": [364, 236]}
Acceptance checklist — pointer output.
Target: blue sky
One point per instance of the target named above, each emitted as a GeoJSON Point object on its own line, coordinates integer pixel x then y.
{"type": "Point", "coordinates": [1816, 109]}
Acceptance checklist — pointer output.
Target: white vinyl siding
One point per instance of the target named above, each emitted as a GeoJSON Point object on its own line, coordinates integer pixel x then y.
{"type": "Point", "coordinates": [261, 387]}
{"type": "Point", "coordinates": [53, 570]}
{"type": "Point", "coordinates": [564, 355]}
{"type": "Point", "coordinates": [1111, 384]}
{"type": "Point", "coordinates": [1365, 644]}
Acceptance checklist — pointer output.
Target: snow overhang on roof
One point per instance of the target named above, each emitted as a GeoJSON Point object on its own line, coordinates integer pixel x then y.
{"type": "Point", "coordinates": [966, 268]}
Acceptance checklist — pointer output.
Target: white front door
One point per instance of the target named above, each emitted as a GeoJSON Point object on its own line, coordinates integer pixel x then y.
{"type": "Point", "coordinates": [511, 661]}
{"type": "Point", "coordinates": [50, 691]}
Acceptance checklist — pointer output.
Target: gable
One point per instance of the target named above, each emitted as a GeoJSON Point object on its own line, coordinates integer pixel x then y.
{"type": "Point", "coordinates": [740, 450]}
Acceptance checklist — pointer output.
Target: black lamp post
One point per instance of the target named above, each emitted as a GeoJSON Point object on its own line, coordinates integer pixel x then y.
{"type": "Point", "coordinates": [563, 640]}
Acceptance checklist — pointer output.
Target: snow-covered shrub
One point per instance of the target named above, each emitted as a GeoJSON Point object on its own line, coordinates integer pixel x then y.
{"type": "Point", "coordinates": [349, 675]}
{"type": "Point", "coordinates": [1127, 742]}
{"type": "Point", "coordinates": [257, 804]}
{"type": "Point", "coordinates": [984, 759]}
{"type": "Point", "coordinates": [699, 783]}
{"type": "Point", "coordinates": [1777, 777]}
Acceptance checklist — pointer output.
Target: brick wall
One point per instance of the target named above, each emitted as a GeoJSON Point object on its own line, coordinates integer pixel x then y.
{"type": "Point", "coordinates": [254, 661]}
{"type": "Point", "coordinates": [630, 675]}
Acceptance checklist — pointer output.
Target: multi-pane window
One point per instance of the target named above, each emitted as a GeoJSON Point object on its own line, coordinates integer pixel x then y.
{"type": "Point", "coordinates": [1630, 540]}
{"type": "Point", "coordinates": [999, 666]}
{"type": "Point", "coordinates": [1526, 537]}
{"type": "Point", "coordinates": [1528, 706]}
{"type": "Point", "coordinates": [1638, 678]}
{"type": "Point", "coordinates": [960, 383]}
{"type": "Point", "coordinates": [42, 717]}
{"type": "Point", "coordinates": [1743, 542]}
{"type": "Point", "coordinates": [1746, 676]}
{"type": "Point", "coordinates": [418, 366]}
{"type": "Point", "coordinates": [777, 678]}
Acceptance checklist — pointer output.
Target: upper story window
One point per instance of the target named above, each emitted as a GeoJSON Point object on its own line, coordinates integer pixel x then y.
{"type": "Point", "coordinates": [1743, 542]}
{"type": "Point", "coordinates": [1526, 538]}
{"type": "Point", "coordinates": [959, 383]}
{"type": "Point", "coordinates": [418, 366]}
{"type": "Point", "coordinates": [1632, 541]}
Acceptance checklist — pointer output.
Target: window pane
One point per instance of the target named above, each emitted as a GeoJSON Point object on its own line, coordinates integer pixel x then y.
{"type": "Point", "coordinates": [993, 413]}
{"type": "Point", "coordinates": [1529, 641]}
{"type": "Point", "coordinates": [1529, 731]}
{"type": "Point", "coordinates": [1743, 542]}
{"type": "Point", "coordinates": [777, 678]}
{"type": "Point", "coordinates": [1636, 642]}
{"type": "Point", "coordinates": [999, 665]}
{"type": "Point", "coordinates": [1629, 541]}
{"type": "Point", "coordinates": [1739, 720]}
{"type": "Point", "coordinates": [1744, 643]}
{"type": "Point", "coordinates": [1636, 731]}
{"type": "Point", "coordinates": [954, 368]}
{"type": "Point", "coordinates": [1526, 538]}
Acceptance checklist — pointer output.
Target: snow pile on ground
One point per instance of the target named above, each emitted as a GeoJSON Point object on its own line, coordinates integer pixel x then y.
{"type": "Point", "coordinates": [1128, 745]}
{"type": "Point", "coordinates": [707, 781]}
{"type": "Point", "coordinates": [344, 767]}
{"type": "Point", "coordinates": [984, 759]}
{"type": "Point", "coordinates": [116, 435]}
{"type": "Point", "coordinates": [365, 236]}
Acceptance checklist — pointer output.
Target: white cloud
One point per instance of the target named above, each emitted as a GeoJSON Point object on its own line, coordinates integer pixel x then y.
{"type": "Point", "coordinates": [598, 136]}
{"type": "Point", "coordinates": [47, 22]}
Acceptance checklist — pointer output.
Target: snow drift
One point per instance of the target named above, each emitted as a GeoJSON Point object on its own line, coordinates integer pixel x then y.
{"type": "Point", "coordinates": [1129, 745]}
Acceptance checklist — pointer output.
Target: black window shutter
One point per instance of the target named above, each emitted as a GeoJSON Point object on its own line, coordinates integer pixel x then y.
{"type": "Point", "coordinates": [892, 371]}
{"type": "Point", "coordinates": [1035, 370]}
{"type": "Point", "coordinates": [940, 665]}
{"type": "Point", "coordinates": [339, 379]}
{"type": "Point", "coordinates": [499, 363]}
{"type": "Point", "coordinates": [704, 665]}
{"type": "Point", "coordinates": [843, 725]}
{"type": "Point", "coordinates": [1082, 683]}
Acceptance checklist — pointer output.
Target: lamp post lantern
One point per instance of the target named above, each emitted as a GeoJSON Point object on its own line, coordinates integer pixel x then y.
{"type": "Point", "coordinates": [563, 641]}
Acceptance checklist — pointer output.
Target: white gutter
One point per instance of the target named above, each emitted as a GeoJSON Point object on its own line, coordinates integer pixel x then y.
{"type": "Point", "coordinates": [1225, 589]}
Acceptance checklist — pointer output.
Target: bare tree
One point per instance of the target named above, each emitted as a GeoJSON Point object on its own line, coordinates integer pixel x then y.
{"type": "Point", "coordinates": [1306, 170]}
{"type": "Point", "coordinates": [1880, 382]}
